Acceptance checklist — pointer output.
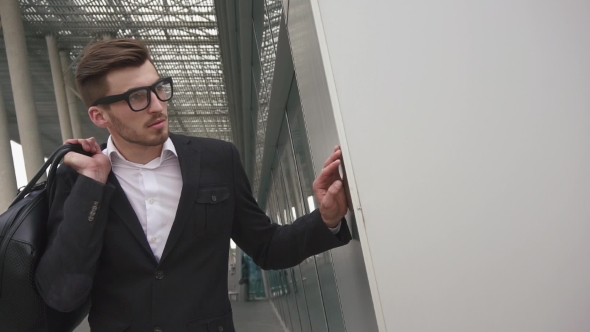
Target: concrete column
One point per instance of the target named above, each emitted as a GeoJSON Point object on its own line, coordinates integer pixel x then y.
{"type": "Point", "coordinates": [20, 77]}
{"type": "Point", "coordinates": [59, 88]}
{"type": "Point", "coordinates": [7, 174]}
{"type": "Point", "coordinates": [68, 76]}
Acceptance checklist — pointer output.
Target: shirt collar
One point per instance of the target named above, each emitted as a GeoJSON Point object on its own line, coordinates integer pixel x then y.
{"type": "Point", "coordinates": [114, 155]}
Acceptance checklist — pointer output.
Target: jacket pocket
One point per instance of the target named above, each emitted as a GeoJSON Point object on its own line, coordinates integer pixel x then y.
{"type": "Point", "coordinates": [217, 324]}
{"type": "Point", "coordinates": [213, 210]}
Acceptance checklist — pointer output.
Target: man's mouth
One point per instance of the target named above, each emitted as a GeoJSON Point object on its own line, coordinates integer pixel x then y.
{"type": "Point", "coordinates": [157, 122]}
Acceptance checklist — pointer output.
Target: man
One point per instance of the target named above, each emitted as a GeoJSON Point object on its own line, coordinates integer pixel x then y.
{"type": "Point", "coordinates": [143, 226]}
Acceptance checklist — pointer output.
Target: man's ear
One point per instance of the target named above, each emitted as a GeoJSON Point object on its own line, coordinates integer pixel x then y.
{"type": "Point", "coordinates": [98, 116]}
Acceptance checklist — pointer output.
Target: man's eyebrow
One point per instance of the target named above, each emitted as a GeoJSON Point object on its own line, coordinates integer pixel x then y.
{"type": "Point", "coordinates": [145, 86]}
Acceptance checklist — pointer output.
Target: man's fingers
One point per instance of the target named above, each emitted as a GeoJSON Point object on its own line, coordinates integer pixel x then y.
{"type": "Point", "coordinates": [335, 188]}
{"type": "Point", "coordinates": [327, 175]}
{"type": "Point", "coordinates": [88, 144]}
{"type": "Point", "coordinates": [330, 169]}
{"type": "Point", "coordinates": [335, 156]}
{"type": "Point", "coordinates": [70, 159]}
{"type": "Point", "coordinates": [95, 146]}
{"type": "Point", "coordinates": [71, 141]}
{"type": "Point", "coordinates": [329, 200]}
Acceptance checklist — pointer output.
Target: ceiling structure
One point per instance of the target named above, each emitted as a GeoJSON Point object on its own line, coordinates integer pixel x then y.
{"type": "Point", "coordinates": [182, 36]}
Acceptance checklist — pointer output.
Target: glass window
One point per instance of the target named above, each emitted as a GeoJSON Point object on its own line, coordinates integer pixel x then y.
{"type": "Point", "coordinates": [294, 209]}
{"type": "Point", "coordinates": [285, 274]}
{"type": "Point", "coordinates": [323, 272]}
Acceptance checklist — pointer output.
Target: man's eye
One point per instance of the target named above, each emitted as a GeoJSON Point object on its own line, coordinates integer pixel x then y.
{"type": "Point", "coordinates": [137, 96]}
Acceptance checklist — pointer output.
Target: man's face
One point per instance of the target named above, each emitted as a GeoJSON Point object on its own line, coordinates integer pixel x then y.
{"type": "Point", "coordinates": [148, 127]}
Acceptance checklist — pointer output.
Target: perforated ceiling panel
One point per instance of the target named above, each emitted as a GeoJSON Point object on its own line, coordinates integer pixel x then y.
{"type": "Point", "coordinates": [182, 36]}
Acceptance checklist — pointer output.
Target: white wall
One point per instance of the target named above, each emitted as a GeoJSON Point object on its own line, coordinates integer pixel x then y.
{"type": "Point", "coordinates": [468, 127]}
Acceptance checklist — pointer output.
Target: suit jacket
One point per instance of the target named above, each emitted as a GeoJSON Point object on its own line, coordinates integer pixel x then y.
{"type": "Point", "coordinates": [97, 247]}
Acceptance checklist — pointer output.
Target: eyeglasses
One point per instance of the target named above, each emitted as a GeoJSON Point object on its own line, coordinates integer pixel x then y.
{"type": "Point", "coordinates": [139, 99]}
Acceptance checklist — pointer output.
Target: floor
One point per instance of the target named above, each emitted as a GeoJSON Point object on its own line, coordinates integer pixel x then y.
{"type": "Point", "coordinates": [257, 316]}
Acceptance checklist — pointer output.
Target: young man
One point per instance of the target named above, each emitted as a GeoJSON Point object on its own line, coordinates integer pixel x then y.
{"type": "Point", "coordinates": [143, 227]}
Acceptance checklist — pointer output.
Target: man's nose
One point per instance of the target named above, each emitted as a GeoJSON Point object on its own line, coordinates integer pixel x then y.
{"type": "Point", "coordinates": [155, 104]}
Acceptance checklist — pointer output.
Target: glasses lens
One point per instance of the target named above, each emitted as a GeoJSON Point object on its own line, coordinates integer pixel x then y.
{"type": "Point", "coordinates": [139, 100]}
{"type": "Point", "coordinates": [164, 91]}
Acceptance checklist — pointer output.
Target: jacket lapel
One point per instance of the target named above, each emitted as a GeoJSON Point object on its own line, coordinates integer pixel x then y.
{"type": "Point", "coordinates": [121, 206]}
{"type": "Point", "coordinates": [190, 167]}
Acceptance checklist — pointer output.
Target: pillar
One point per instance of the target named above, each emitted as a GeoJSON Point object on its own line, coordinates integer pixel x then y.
{"type": "Point", "coordinates": [22, 90]}
{"type": "Point", "coordinates": [68, 75]}
{"type": "Point", "coordinates": [266, 284]}
{"type": "Point", "coordinates": [7, 174]}
{"type": "Point", "coordinates": [59, 88]}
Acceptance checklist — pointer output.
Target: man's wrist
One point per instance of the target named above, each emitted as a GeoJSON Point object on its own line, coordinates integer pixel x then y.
{"type": "Point", "coordinates": [336, 229]}
{"type": "Point", "coordinates": [96, 175]}
{"type": "Point", "coordinates": [331, 223]}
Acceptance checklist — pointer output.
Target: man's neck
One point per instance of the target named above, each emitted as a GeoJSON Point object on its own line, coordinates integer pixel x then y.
{"type": "Point", "coordinates": [135, 153]}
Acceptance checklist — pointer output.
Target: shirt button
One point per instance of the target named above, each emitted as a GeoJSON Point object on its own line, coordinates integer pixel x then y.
{"type": "Point", "coordinates": [153, 240]}
{"type": "Point", "coordinates": [152, 201]}
{"type": "Point", "coordinates": [214, 198]}
{"type": "Point", "coordinates": [159, 274]}
{"type": "Point", "coordinates": [158, 329]}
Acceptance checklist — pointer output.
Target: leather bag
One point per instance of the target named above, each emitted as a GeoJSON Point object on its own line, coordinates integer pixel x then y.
{"type": "Point", "coordinates": [23, 238]}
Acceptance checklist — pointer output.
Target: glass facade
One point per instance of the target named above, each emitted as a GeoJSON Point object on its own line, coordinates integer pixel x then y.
{"type": "Point", "coordinates": [305, 296]}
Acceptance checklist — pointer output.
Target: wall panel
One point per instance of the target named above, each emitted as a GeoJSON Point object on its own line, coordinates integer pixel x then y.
{"type": "Point", "coordinates": [469, 137]}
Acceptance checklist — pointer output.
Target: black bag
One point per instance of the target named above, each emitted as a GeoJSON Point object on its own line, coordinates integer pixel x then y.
{"type": "Point", "coordinates": [23, 237]}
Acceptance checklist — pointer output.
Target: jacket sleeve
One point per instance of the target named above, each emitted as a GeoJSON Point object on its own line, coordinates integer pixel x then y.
{"type": "Point", "coordinates": [273, 246]}
{"type": "Point", "coordinates": [76, 224]}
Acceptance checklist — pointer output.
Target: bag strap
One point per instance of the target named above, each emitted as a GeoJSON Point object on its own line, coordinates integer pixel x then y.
{"type": "Point", "coordinates": [52, 162]}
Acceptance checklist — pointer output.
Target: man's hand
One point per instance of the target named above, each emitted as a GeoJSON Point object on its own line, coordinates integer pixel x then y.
{"type": "Point", "coordinates": [329, 191]}
{"type": "Point", "coordinates": [96, 167]}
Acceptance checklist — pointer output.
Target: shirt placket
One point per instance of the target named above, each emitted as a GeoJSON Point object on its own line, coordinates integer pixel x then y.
{"type": "Point", "coordinates": [152, 208]}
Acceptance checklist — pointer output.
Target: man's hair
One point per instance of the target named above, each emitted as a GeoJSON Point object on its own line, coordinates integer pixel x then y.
{"type": "Point", "coordinates": [101, 58]}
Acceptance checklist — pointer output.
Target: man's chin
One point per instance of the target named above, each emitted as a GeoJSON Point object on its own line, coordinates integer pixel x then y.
{"type": "Point", "coordinates": [162, 137]}
{"type": "Point", "coordinates": [153, 141]}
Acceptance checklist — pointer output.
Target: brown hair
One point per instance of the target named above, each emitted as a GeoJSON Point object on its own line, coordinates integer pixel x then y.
{"type": "Point", "coordinates": [102, 57]}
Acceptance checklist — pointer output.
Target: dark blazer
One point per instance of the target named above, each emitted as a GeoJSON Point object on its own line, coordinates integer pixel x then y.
{"type": "Point", "coordinates": [97, 248]}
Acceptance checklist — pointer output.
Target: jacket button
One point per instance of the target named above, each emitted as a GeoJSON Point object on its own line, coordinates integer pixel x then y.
{"type": "Point", "coordinates": [158, 329]}
{"type": "Point", "coordinates": [220, 328]}
{"type": "Point", "coordinates": [159, 275]}
{"type": "Point", "coordinates": [214, 198]}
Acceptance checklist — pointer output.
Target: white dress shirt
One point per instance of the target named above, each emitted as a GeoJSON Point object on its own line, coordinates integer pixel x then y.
{"type": "Point", "coordinates": [153, 190]}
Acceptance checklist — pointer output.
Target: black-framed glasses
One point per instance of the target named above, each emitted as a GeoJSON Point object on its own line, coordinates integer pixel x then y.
{"type": "Point", "coordinates": [139, 99]}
